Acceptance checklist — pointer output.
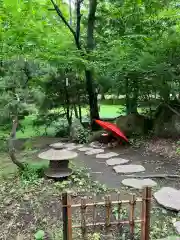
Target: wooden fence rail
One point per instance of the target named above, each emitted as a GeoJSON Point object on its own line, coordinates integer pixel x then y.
{"type": "Point", "coordinates": [144, 220]}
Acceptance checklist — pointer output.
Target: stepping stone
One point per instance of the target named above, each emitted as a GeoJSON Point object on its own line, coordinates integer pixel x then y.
{"type": "Point", "coordinates": [107, 155]}
{"type": "Point", "coordinates": [116, 161]}
{"type": "Point", "coordinates": [58, 145]}
{"type": "Point", "coordinates": [85, 149]}
{"type": "Point", "coordinates": [94, 151]}
{"type": "Point", "coordinates": [169, 198]}
{"type": "Point", "coordinates": [177, 226]}
{"type": "Point", "coordinates": [97, 145]}
{"type": "Point", "coordinates": [129, 168]}
{"type": "Point", "coordinates": [139, 183]}
{"type": "Point", "coordinates": [75, 147]}
{"type": "Point", "coordinates": [68, 145]}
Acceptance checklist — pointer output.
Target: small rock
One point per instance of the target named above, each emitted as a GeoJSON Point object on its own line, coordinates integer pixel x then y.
{"type": "Point", "coordinates": [8, 202]}
{"type": "Point", "coordinates": [26, 197]}
{"type": "Point", "coordinates": [139, 183]}
{"type": "Point", "coordinates": [169, 198]}
{"type": "Point", "coordinates": [107, 155]}
{"type": "Point", "coordinates": [94, 151]}
{"type": "Point", "coordinates": [116, 161]}
{"type": "Point", "coordinates": [177, 226]}
{"type": "Point", "coordinates": [128, 168]}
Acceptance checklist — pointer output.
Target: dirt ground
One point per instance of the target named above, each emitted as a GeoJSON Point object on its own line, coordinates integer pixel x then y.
{"type": "Point", "coordinates": [167, 148]}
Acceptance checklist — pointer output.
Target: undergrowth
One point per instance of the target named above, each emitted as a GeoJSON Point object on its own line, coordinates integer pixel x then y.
{"type": "Point", "coordinates": [31, 173]}
{"type": "Point", "coordinates": [30, 192]}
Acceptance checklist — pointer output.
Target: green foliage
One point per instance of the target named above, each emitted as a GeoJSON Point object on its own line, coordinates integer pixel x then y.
{"type": "Point", "coordinates": [136, 55]}
{"type": "Point", "coordinates": [61, 128]}
{"type": "Point", "coordinates": [32, 173]}
{"type": "Point", "coordinates": [178, 148]}
{"type": "Point", "coordinates": [82, 179]}
{"type": "Point", "coordinates": [39, 235]}
{"type": "Point", "coordinates": [78, 133]}
{"type": "Point", "coordinates": [28, 145]}
{"type": "Point", "coordinates": [82, 136]}
{"type": "Point", "coordinates": [52, 120]}
{"type": "Point", "coordinates": [3, 142]}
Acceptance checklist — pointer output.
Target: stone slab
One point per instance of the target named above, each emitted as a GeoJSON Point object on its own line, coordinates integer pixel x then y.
{"type": "Point", "coordinates": [85, 149]}
{"type": "Point", "coordinates": [130, 168]}
{"type": "Point", "coordinates": [139, 183]}
{"type": "Point", "coordinates": [75, 147]}
{"type": "Point", "coordinates": [107, 155]}
{"type": "Point", "coordinates": [116, 161]}
{"type": "Point", "coordinates": [97, 145]}
{"type": "Point", "coordinates": [177, 226]}
{"type": "Point", "coordinates": [169, 198]}
{"type": "Point", "coordinates": [68, 145]}
{"type": "Point", "coordinates": [94, 151]}
{"type": "Point", "coordinates": [58, 145]}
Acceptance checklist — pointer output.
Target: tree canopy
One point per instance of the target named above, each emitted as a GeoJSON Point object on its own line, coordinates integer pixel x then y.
{"type": "Point", "coordinates": [128, 48]}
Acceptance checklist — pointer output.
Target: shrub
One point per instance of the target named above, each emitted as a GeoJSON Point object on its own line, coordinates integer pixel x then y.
{"type": "Point", "coordinates": [3, 142]}
{"type": "Point", "coordinates": [78, 133]}
{"type": "Point", "coordinates": [31, 173]}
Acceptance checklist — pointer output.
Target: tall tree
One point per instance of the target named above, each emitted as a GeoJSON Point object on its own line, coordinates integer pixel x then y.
{"type": "Point", "coordinates": [90, 86]}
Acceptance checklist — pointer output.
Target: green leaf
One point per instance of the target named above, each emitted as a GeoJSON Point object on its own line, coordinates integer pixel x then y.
{"type": "Point", "coordinates": [39, 235]}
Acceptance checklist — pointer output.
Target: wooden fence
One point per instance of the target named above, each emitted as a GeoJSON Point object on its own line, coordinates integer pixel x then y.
{"type": "Point", "coordinates": [144, 219]}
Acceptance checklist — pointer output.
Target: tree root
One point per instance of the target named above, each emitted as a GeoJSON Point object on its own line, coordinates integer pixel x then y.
{"type": "Point", "coordinates": [154, 176]}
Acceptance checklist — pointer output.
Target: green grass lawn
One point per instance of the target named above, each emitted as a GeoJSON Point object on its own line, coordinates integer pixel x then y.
{"type": "Point", "coordinates": [106, 111]}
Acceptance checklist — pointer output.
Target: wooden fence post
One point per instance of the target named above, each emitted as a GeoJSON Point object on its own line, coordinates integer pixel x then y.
{"type": "Point", "coordinates": [67, 217]}
{"type": "Point", "coordinates": [146, 207]}
{"type": "Point", "coordinates": [108, 211]}
{"type": "Point", "coordinates": [83, 219]}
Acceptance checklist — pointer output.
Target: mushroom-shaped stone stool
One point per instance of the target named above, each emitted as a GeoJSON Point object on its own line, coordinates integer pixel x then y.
{"type": "Point", "coordinates": [59, 160]}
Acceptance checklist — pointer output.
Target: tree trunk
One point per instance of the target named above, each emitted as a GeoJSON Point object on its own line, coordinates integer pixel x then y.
{"type": "Point", "coordinates": [103, 96]}
{"type": "Point", "coordinates": [131, 96]}
{"type": "Point", "coordinates": [67, 106]}
{"type": "Point", "coordinates": [76, 111]}
{"type": "Point", "coordinates": [80, 113]}
{"type": "Point", "coordinates": [135, 96]}
{"type": "Point", "coordinates": [127, 96]}
{"type": "Point", "coordinates": [70, 12]}
{"type": "Point", "coordinates": [93, 101]}
{"type": "Point", "coordinates": [94, 114]}
{"type": "Point", "coordinates": [11, 145]}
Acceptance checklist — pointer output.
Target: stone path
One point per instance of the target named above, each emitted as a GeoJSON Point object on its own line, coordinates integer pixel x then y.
{"type": "Point", "coordinates": [113, 161]}
{"type": "Point", "coordinates": [112, 168]}
{"type": "Point", "coordinates": [116, 161]}
{"type": "Point", "coordinates": [94, 151]}
{"type": "Point", "coordinates": [139, 183]}
{"type": "Point", "coordinates": [177, 226]}
{"type": "Point", "coordinates": [169, 198]}
{"type": "Point", "coordinates": [107, 155]}
{"type": "Point", "coordinates": [130, 168]}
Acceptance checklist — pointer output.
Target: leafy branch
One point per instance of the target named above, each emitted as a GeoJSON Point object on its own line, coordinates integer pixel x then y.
{"type": "Point", "coordinates": [76, 34]}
